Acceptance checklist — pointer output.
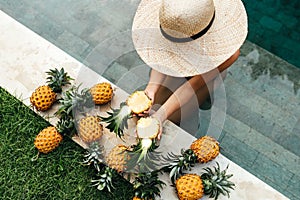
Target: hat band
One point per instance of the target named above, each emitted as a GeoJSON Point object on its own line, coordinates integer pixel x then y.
{"type": "Point", "coordinates": [188, 39]}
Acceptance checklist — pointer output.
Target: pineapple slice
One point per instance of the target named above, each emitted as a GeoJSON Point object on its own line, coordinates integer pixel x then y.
{"type": "Point", "coordinates": [202, 150]}
{"type": "Point", "coordinates": [44, 96]}
{"type": "Point", "coordinates": [211, 183]}
{"type": "Point", "coordinates": [137, 103]}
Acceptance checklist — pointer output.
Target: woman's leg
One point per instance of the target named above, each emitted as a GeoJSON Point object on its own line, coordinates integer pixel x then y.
{"type": "Point", "coordinates": [188, 116]}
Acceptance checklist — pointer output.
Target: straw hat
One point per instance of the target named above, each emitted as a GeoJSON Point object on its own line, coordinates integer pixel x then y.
{"type": "Point", "coordinates": [188, 37]}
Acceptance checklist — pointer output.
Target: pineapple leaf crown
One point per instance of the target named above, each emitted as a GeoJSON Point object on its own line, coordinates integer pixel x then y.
{"type": "Point", "coordinates": [117, 119]}
{"type": "Point", "coordinates": [147, 185]}
{"type": "Point", "coordinates": [94, 155]}
{"type": "Point", "coordinates": [66, 126]}
{"type": "Point", "coordinates": [105, 181]}
{"type": "Point", "coordinates": [216, 182]}
{"type": "Point", "coordinates": [57, 79]}
{"type": "Point", "coordinates": [177, 164]}
{"type": "Point", "coordinates": [146, 158]}
{"type": "Point", "coordinates": [74, 100]}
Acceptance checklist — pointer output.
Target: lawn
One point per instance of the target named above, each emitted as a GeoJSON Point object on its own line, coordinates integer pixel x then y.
{"type": "Point", "coordinates": [57, 175]}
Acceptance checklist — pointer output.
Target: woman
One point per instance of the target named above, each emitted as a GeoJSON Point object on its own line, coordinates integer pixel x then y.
{"type": "Point", "coordinates": [187, 44]}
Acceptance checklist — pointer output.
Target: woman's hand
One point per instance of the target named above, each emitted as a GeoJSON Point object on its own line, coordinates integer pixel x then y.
{"type": "Point", "coordinates": [160, 117]}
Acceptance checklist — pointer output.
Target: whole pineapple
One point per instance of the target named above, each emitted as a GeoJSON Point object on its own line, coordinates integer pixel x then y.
{"type": "Point", "coordinates": [189, 187]}
{"type": "Point", "coordinates": [118, 157]}
{"type": "Point", "coordinates": [90, 129]}
{"type": "Point", "coordinates": [44, 96]}
{"type": "Point", "coordinates": [102, 93]}
{"type": "Point", "coordinates": [202, 150]}
{"type": "Point", "coordinates": [72, 103]}
{"type": "Point", "coordinates": [47, 140]}
{"type": "Point", "coordinates": [137, 103]}
{"type": "Point", "coordinates": [147, 186]}
{"type": "Point", "coordinates": [211, 183]}
{"type": "Point", "coordinates": [206, 149]}
{"type": "Point", "coordinates": [90, 132]}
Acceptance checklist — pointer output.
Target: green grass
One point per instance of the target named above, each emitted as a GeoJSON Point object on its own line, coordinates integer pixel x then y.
{"type": "Point", "coordinates": [57, 175]}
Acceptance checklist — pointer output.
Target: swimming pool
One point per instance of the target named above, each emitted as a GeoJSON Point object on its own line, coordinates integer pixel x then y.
{"type": "Point", "coordinates": [275, 26]}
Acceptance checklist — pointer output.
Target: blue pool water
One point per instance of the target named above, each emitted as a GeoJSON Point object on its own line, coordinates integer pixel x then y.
{"type": "Point", "coordinates": [275, 26]}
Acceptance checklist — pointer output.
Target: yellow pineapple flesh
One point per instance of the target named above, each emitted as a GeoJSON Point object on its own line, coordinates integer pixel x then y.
{"type": "Point", "coordinates": [90, 129]}
{"type": "Point", "coordinates": [117, 158]}
{"type": "Point", "coordinates": [205, 148]}
{"type": "Point", "coordinates": [43, 98]}
{"type": "Point", "coordinates": [102, 93]}
{"type": "Point", "coordinates": [47, 140]}
{"type": "Point", "coordinates": [138, 102]}
{"type": "Point", "coordinates": [147, 128]}
{"type": "Point", "coordinates": [189, 187]}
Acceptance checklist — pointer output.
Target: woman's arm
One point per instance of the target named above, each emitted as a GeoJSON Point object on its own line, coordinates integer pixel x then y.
{"type": "Point", "coordinates": [185, 92]}
{"type": "Point", "coordinates": [155, 81]}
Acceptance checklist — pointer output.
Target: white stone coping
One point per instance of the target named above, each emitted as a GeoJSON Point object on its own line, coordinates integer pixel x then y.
{"type": "Point", "coordinates": [24, 59]}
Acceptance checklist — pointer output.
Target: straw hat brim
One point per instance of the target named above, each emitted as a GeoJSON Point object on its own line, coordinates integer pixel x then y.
{"type": "Point", "coordinates": [220, 42]}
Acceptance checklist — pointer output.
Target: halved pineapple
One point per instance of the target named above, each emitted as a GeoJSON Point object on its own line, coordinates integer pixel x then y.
{"type": "Point", "coordinates": [137, 103]}
{"type": "Point", "coordinates": [147, 128]}
{"type": "Point", "coordinates": [143, 154]}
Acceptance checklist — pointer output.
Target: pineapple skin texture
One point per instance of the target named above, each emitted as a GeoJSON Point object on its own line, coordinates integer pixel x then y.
{"type": "Point", "coordinates": [189, 187]}
{"type": "Point", "coordinates": [137, 198]}
{"type": "Point", "coordinates": [117, 158]}
{"type": "Point", "coordinates": [205, 148]}
{"type": "Point", "coordinates": [47, 140]}
{"type": "Point", "coordinates": [90, 129]}
{"type": "Point", "coordinates": [102, 93]}
{"type": "Point", "coordinates": [43, 98]}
